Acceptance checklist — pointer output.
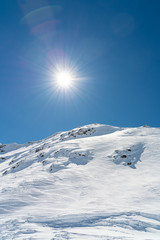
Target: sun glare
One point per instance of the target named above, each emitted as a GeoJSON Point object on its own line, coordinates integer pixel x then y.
{"type": "Point", "coordinates": [64, 79]}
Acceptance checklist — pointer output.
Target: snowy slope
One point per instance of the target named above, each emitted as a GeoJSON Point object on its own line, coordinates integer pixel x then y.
{"type": "Point", "coordinates": [94, 182]}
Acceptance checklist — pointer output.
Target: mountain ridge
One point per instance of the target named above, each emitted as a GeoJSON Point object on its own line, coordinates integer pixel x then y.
{"type": "Point", "coordinates": [93, 182]}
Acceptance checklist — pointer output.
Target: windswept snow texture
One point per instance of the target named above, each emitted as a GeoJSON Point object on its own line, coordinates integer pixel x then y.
{"type": "Point", "coordinates": [93, 182]}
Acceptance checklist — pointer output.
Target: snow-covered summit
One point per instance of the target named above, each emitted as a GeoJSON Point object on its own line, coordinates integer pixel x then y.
{"type": "Point", "coordinates": [92, 182]}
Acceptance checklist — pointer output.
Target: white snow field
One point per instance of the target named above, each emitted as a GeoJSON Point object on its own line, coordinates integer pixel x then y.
{"type": "Point", "coordinates": [94, 182]}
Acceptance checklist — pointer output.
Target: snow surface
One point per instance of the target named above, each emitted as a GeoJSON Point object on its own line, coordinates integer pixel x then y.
{"type": "Point", "coordinates": [94, 182]}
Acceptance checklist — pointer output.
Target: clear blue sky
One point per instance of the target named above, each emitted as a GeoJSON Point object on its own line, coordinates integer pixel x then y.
{"type": "Point", "coordinates": [114, 45]}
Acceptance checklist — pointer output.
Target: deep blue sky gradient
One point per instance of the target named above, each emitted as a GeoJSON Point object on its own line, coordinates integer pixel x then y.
{"type": "Point", "coordinates": [114, 44]}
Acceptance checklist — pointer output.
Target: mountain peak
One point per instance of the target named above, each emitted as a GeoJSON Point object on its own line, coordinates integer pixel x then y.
{"type": "Point", "coordinates": [99, 180]}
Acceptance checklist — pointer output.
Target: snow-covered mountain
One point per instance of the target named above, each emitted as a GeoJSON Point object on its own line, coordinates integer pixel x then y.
{"type": "Point", "coordinates": [93, 182]}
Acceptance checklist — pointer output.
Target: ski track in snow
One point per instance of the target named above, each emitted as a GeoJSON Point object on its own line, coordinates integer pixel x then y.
{"type": "Point", "coordinates": [93, 182]}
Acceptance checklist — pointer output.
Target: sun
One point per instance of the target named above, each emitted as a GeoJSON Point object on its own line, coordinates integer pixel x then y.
{"type": "Point", "coordinates": [64, 79]}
